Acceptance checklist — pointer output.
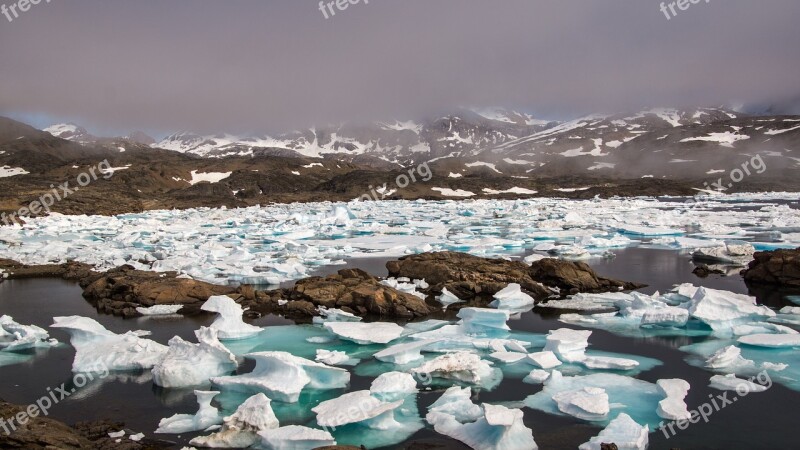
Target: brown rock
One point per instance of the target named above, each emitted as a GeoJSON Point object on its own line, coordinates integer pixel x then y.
{"type": "Point", "coordinates": [574, 277]}
{"type": "Point", "coordinates": [779, 267]}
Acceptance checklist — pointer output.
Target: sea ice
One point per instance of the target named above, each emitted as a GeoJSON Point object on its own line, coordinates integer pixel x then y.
{"type": "Point", "coordinates": [731, 383]}
{"type": "Point", "coordinates": [448, 298]}
{"type": "Point", "coordinates": [282, 376]}
{"type": "Point", "coordinates": [537, 376]}
{"type": "Point", "coordinates": [404, 353]}
{"type": "Point", "coordinates": [188, 364]}
{"type": "Point", "coordinates": [366, 333]}
{"type": "Point", "coordinates": [456, 402]}
{"type": "Point", "coordinates": [587, 403]}
{"type": "Point", "coordinates": [159, 310]}
{"type": "Point", "coordinates": [461, 366]}
{"type": "Point", "coordinates": [100, 350]}
{"type": "Point", "coordinates": [544, 360]}
{"type": "Point", "coordinates": [392, 386]}
{"type": "Point", "coordinates": [512, 298]}
{"type": "Point", "coordinates": [294, 437]}
{"type": "Point", "coordinates": [240, 430]}
{"type": "Point", "coordinates": [482, 320]}
{"type": "Point", "coordinates": [508, 357]}
{"type": "Point", "coordinates": [771, 340]}
{"type": "Point", "coordinates": [499, 428]}
{"type": "Point", "coordinates": [334, 315]}
{"type": "Point", "coordinates": [624, 432]}
{"type": "Point", "coordinates": [729, 358]}
{"type": "Point", "coordinates": [229, 321]}
{"type": "Point", "coordinates": [722, 310]}
{"type": "Point", "coordinates": [14, 336]}
{"type": "Point", "coordinates": [357, 407]}
{"type": "Point", "coordinates": [205, 417]}
{"type": "Point", "coordinates": [332, 357]}
{"type": "Point", "coordinates": [673, 406]}
{"type": "Point", "coordinates": [568, 345]}
{"type": "Point", "coordinates": [739, 254]}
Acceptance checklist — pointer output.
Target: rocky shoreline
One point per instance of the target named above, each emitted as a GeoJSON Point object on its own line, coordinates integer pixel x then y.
{"type": "Point", "coordinates": [473, 279]}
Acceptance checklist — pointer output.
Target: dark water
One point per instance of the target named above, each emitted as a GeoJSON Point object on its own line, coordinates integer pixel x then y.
{"type": "Point", "coordinates": [761, 420]}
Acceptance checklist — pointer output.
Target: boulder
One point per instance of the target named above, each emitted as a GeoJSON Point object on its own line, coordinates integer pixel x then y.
{"type": "Point", "coordinates": [778, 267]}
{"type": "Point", "coordinates": [573, 277]}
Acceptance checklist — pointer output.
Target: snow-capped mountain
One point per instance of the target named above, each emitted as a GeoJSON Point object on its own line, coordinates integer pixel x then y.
{"type": "Point", "coordinates": [79, 134]}
{"type": "Point", "coordinates": [71, 132]}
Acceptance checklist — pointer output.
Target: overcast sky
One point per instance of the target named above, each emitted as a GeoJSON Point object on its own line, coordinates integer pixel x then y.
{"type": "Point", "coordinates": [272, 65]}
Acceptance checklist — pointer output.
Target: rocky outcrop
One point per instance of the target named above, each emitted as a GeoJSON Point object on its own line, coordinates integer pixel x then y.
{"type": "Point", "coordinates": [779, 267]}
{"type": "Point", "coordinates": [40, 433]}
{"type": "Point", "coordinates": [572, 277]}
{"type": "Point", "coordinates": [72, 271]}
{"type": "Point", "coordinates": [466, 276]}
{"type": "Point", "coordinates": [121, 290]}
{"type": "Point", "coordinates": [470, 277]}
{"type": "Point", "coordinates": [352, 290]}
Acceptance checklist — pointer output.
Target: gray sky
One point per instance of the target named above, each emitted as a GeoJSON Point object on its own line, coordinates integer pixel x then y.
{"type": "Point", "coordinates": [279, 64]}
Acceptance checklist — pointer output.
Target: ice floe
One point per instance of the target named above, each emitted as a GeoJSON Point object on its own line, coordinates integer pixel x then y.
{"type": "Point", "coordinates": [391, 386]}
{"type": "Point", "coordinates": [16, 337]}
{"type": "Point", "coordinates": [624, 432]}
{"type": "Point", "coordinates": [460, 366]}
{"type": "Point", "coordinates": [294, 437]}
{"type": "Point", "coordinates": [98, 349]}
{"type": "Point", "coordinates": [499, 428]}
{"type": "Point", "coordinates": [189, 364]}
{"type": "Point", "coordinates": [240, 430]}
{"type": "Point", "coordinates": [206, 417]}
{"type": "Point", "coordinates": [587, 403]}
{"type": "Point", "coordinates": [229, 323]}
{"type": "Point", "coordinates": [366, 333]}
{"type": "Point", "coordinates": [512, 298]}
{"type": "Point", "coordinates": [159, 310]}
{"type": "Point", "coordinates": [357, 407]}
{"type": "Point", "coordinates": [731, 383]}
{"type": "Point", "coordinates": [673, 406]}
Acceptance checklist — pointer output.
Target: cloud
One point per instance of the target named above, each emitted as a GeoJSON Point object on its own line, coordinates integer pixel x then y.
{"type": "Point", "coordinates": [275, 65]}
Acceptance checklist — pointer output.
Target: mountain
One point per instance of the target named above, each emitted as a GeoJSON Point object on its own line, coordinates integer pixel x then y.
{"type": "Point", "coordinates": [71, 132]}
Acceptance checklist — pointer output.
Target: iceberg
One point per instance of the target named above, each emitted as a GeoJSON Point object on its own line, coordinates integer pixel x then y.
{"type": "Point", "coordinates": [448, 298]}
{"type": "Point", "coordinates": [14, 336]}
{"type": "Point", "coordinates": [460, 366]}
{"type": "Point", "coordinates": [357, 407]}
{"type": "Point", "coordinates": [456, 402]}
{"type": "Point", "coordinates": [624, 432]}
{"type": "Point", "coordinates": [229, 323]}
{"type": "Point", "coordinates": [771, 340]}
{"type": "Point", "coordinates": [332, 357]}
{"type": "Point", "coordinates": [512, 298]}
{"type": "Point", "coordinates": [404, 353]}
{"type": "Point", "coordinates": [587, 403]}
{"type": "Point", "coordinates": [392, 386]}
{"type": "Point", "coordinates": [508, 357]}
{"type": "Point", "coordinates": [366, 333]}
{"type": "Point", "coordinates": [334, 315]}
{"type": "Point", "coordinates": [482, 320]}
{"type": "Point", "coordinates": [240, 430]}
{"type": "Point", "coordinates": [673, 406]}
{"type": "Point", "coordinates": [729, 358]}
{"type": "Point", "coordinates": [731, 383]}
{"type": "Point", "coordinates": [537, 376]}
{"type": "Point", "coordinates": [544, 360]}
{"type": "Point", "coordinates": [207, 416]}
{"type": "Point", "coordinates": [98, 349]}
{"type": "Point", "coordinates": [159, 310]}
{"type": "Point", "coordinates": [723, 310]}
{"type": "Point", "coordinates": [282, 376]}
{"type": "Point", "coordinates": [294, 437]}
{"type": "Point", "coordinates": [608, 362]}
{"type": "Point", "coordinates": [499, 428]}
{"type": "Point", "coordinates": [567, 344]}
{"type": "Point", "coordinates": [188, 364]}
{"type": "Point", "coordinates": [739, 254]}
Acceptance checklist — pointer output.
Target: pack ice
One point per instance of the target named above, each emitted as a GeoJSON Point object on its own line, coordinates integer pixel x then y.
{"type": "Point", "coordinates": [16, 337]}
{"type": "Point", "coordinates": [98, 349]}
{"type": "Point", "coordinates": [188, 364]}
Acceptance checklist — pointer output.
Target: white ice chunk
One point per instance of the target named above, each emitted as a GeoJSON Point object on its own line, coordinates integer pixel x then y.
{"type": "Point", "coordinates": [544, 360]}
{"type": "Point", "coordinates": [205, 417]}
{"type": "Point", "coordinates": [722, 310]}
{"type": "Point", "coordinates": [508, 357]}
{"type": "Point", "coordinates": [569, 345]}
{"type": "Point", "coordinates": [282, 376]}
{"type": "Point", "coordinates": [404, 353]}
{"type": "Point", "coordinates": [448, 298]}
{"type": "Point", "coordinates": [15, 336]}
{"type": "Point", "coordinates": [295, 437]}
{"type": "Point", "coordinates": [624, 432]}
{"type": "Point", "coordinates": [331, 357]}
{"type": "Point", "coordinates": [729, 358]}
{"type": "Point", "coordinates": [771, 340]}
{"type": "Point", "coordinates": [537, 376]}
{"type": "Point", "coordinates": [335, 315]}
{"type": "Point", "coordinates": [609, 362]}
{"type": "Point", "coordinates": [188, 364]}
{"type": "Point", "coordinates": [357, 407]}
{"type": "Point", "coordinates": [461, 366]}
{"type": "Point", "coordinates": [512, 298]}
{"type": "Point", "coordinates": [673, 407]}
{"type": "Point", "coordinates": [99, 350]}
{"type": "Point", "coordinates": [229, 322]}
{"type": "Point", "coordinates": [456, 402]}
{"type": "Point", "coordinates": [731, 383]}
{"type": "Point", "coordinates": [391, 386]}
{"type": "Point", "coordinates": [481, 320]}
{"type": "Point", "coordinates": [500, 428]}
{"type": "Point", "coordinates": [366, 333]}
{"type": "Point", "coordinates": [588, 403]}
{"type": "Point", "coordinates": [240, 430]}
{"type": "Point", "coordinates": [159, 310]}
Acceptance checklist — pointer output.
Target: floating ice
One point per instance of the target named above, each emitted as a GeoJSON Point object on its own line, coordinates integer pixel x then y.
{"type": "Point", "coordinates": [537, 376]}
{"type": "Point", "coordinates": [404, 353]}
{"type": "Point", "coordinates": [624, 432]}
{"type": "Point", "coordinates": [608, 362]}
{"type": "Point", "coordinates": [366, 333]}
{"type": "Point", "coordinates": [241, 429]}
{"type": "Point", "coordinates": [357, 407]}
{"type": "Point", "coordinates": [188, 364]}
{"type": "Point", "coordinates": [771, 340]}
{"type": "Point", "coordinates": [481, 320]}
{"type": "Point", "coordinates": [448, 298]}
{"type": "Point", "coordinates": [500, 428]}
{"type": "Point", "coordinates": [294, 437]}
{"type": "Point", "coordinates": [282, 376]}
{"type": "Point", "coordinates": [332, 357]}
{"type": "Point", "coordinates": [722, 310]}
{"type": "Point", "coordinates": [568, 345]}
{"type": "Point", "coordinates": [99, 350]}
{"type": "Point", "coordinates": [460, 366]}
{"type": "Point", "coordinates": [545, 360]}
{"type": "Point", "coordinates": [739, 254]}
{"type": "Point", "coordinates": [205, 417]}
{"type": "Point", "coordinates": [731, 383]}
{"type": "Point", "coordinates": [729, 358]}
{"type": "Point", "coordinates": [587, 403]}
{"type": "Point", "coordinates": [15, 337]}
{"type": "Point", "coordinates": [391, 386]}
{"type": "Point", "coordinates": [229, 321]}
{"type": "Point", "coordinates": [508, 357]}
{"type": "Point", "coordinates": [334, 315]}
{"type": "Point", "coordinates": [456, 402]}
{"type": "Point", "coordinates": [673, 406]}
{"type": "Point", "coordinates": [159, 310]}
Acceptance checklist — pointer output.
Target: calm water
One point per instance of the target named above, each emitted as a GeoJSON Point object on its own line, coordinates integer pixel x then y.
{"type": "Point", "coordinates": [757, 421]}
